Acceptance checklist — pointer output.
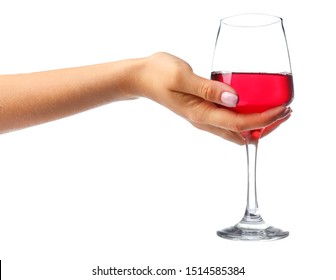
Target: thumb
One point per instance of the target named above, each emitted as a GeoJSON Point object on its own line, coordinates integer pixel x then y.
{"type": "Point", "coordinates": [214, 91]}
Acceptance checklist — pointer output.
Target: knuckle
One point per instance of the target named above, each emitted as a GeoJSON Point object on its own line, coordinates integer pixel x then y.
{"type": "Point", "coordinates": [205, 91]}
{"type": "Point", "coordinates": [264, 116]}
{"type": "Point", "coordinates": [237, 125]}
{"type": "Point", "coordinates": [195, 117]}
{"type": "Point", "coordinates": [197, 112]}
{"type": "Point", "coordinates": [236, 128]}
{"type": "Point", "coordinates": [176, 75]}
{"type": "Point", "coordinates": [197, 125]}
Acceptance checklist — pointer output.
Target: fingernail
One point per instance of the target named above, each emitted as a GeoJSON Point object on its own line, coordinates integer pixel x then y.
{"type": "Point", "coordinates": [229, 99]}
{"type": "Point", "coordinates": [285, 113]}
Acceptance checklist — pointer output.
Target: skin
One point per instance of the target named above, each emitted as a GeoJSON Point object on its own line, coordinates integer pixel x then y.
{"type": "Point", "coordinates": [35, 98]}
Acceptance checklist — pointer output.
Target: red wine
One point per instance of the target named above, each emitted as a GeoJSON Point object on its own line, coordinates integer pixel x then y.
{"type": "Point", "coordinates": [258, 92]}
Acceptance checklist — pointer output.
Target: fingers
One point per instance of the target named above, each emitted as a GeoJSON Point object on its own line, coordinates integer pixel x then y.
{"type": "Point", "coordinates": [274, 125]}
{"type": "Point", "coordinates": [264, 119]}
{"type": "Point", "coordinates": [233, 121]}
{"type": "Point", "coordinates": [213, 91]}
{"type": "Point", "coordinates": [237, 137]}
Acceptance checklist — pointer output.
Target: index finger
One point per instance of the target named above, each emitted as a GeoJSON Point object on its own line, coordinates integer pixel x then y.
{"type": "Point", "coordinates": [237, 122]}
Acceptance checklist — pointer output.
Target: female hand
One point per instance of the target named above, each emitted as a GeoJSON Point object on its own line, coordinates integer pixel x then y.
{"type": "Point", "coordinates": [171, 82]}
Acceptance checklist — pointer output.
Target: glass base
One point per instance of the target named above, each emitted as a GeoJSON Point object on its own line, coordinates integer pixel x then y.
{"type": "Point", "coordinates": [270, 233]}
{"type": "Point", "coordinates": [249, 230]}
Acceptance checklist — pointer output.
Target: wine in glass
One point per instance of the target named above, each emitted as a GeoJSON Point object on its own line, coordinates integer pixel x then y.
{"type": "Point", "coordinates": [251, 55]}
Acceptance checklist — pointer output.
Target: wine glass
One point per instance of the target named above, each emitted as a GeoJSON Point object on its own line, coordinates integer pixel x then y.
{"type": "Point", "coordinates": [251, 55]}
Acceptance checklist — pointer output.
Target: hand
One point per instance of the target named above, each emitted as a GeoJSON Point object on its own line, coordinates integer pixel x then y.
{"type": "Point", "coordinates": [171, 82]}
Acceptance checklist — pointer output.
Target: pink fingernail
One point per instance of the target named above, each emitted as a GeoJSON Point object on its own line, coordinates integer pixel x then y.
{"type": "Point", "coordinates": [229, 99]}
{"type": "Point", "coordinates": [285, 113]}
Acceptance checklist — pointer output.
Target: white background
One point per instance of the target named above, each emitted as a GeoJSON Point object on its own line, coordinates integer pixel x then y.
{"type": "Point", "coordinates": [132, 184]}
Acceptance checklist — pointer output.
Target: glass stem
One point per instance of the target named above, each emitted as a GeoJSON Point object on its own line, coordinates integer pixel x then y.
{"type": "Point", "coordinates": [252, 211]}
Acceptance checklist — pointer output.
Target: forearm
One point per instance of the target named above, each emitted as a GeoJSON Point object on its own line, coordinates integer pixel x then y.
{"type": "Point", "coordinates": [34, 98]}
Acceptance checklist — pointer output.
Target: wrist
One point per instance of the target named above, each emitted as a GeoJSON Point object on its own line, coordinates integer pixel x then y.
{"type": "Point", "coordinates": [131, 78]}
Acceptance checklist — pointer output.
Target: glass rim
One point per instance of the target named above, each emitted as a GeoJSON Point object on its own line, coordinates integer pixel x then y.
{"type": "Point", "coordinates": [250, 20]}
